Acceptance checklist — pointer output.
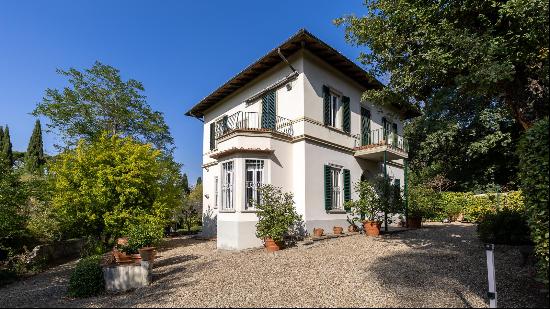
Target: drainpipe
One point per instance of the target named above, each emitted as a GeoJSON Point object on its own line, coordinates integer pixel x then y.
{"type": "Point", "coordinates": [385, 179]}
{"type": "Point", "coordinates": [406, 189]}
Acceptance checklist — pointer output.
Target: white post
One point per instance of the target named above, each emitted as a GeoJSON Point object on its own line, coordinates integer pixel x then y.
{"type": "Point", "coordinates": [492, 294]}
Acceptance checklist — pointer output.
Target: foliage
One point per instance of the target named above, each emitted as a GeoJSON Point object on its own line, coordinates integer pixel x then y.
{"type": "Point", "coordinates": [505, 226]}
{"type": "Point", "coordinates": [452, 204]}
{"type": "Point", "coordinates": [93, 246]}
{"type": "Point", "coordinates": [6, 152]}
{"type": "Point", "coordinates": [422, 202]}
{"type": "Point", "coordinates": [478, 206]}
{"type": "Point", "coordinates": [99, 101]}
{"type": "Point", "coordinates": [87, 278]}
{"type": "Point", "coordinates": [101, 185]}
{"type": "Point", "coordinates": [277, 216]}
{"type": "Point", "coordinates": [143, 232]}
{"type": "Point", "coordinates": [368, 205]}
{"type": "Point", "coordinates": [463, 147]}
{"type": "Point", "coordinates": [494, 52]}
{"type": "Point", "coordinates": [191, 209]}
{"type": "Point", "coordinates": [13, 195]}
{"type": "Point", "coordinates": [34, 157]}
{"type": "Point", "coordinates": [533, 152]}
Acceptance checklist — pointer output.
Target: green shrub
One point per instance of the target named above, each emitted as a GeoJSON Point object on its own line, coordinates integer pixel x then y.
{"type": "Point", "coordinates": [477, 207]}
{"type": "Point", "coordinates": [277, 216]}
{"type": "Point", "coordinates": [143, 232]}
{"type": "Point", "coordinates": [453, 204]}
{"type": "Point", "coordinates": [87, 278]}
{"type": "Point", "coordinates": [423, 202]}
{"type": "Point", "coordinates": [506, 227]}
{"type": "Point", "coordinates": [533, 153]}
{"type": "Point", "coordinates": [93, 246]}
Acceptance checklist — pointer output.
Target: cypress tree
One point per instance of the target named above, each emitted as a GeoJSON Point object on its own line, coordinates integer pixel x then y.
{"type": "Point", "coordinates": [7, 147]}
{"type": "Point", "coordinates": [34, 158]}
{"type": "Point", "coordinates": [185, 184]}
{"type": "Point", "coordinates": [1, 138]}
{"type": "Point", "coordinates": [199, 181]}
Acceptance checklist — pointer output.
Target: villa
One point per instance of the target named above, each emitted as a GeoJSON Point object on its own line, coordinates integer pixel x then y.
{"type": "Point", "coordinates": [294, 119]}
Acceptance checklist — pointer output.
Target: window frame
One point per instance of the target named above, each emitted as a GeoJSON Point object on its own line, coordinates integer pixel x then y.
{"type": "Point", "coordinates": [259, 166]}
{"type": "Point", "coordinates": [337, 204]}
{"type": "Point", "coordinates": [228, 190]}
{"type": "Point", "coordinates": [335, 110]}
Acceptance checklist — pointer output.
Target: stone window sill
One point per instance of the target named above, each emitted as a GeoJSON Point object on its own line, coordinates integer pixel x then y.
{"type": "Point", "coordinates": [337, 211]}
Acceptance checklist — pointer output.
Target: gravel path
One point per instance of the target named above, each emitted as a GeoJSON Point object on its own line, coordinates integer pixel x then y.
{"type": "Point", "coordinates": [442, 265]}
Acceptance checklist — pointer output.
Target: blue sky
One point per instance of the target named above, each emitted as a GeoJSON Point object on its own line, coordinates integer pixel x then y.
{"type": "Point", "coordinates": [180, 50]}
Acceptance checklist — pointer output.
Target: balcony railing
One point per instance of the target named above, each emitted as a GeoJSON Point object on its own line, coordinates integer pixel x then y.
{"type": "Point", "coordinates": [381, 137]}
{"type": "Point", "coordinates": [252, 121]}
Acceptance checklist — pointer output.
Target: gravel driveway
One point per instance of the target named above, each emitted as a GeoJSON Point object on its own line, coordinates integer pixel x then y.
{"type": "Point", "coordinates": [441, 265]}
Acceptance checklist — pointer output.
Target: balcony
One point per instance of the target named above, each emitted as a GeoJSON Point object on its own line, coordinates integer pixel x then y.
{"type": "Point", "coordinates": [377, 142]}
{"type": "Point", "coordinates": [252, 122]}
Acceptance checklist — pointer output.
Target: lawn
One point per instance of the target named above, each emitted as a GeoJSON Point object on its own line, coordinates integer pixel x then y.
{"type": "Point", "coordinates": [442, 265]}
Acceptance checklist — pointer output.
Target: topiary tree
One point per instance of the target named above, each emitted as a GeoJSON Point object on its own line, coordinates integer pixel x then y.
{"type": "Point", "coordinates": [87, 278]}
{"type": "Point", "coordinates": [533, 153]}
{"type": "Point", "coordinates": [6, 151]}
{"type": "Point", "coordinates": [102, 185]}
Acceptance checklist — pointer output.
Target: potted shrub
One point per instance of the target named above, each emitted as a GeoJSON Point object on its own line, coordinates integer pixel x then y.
{"type": "Point", "coordinates": [337, 230]}
{"type": "Point", "coordinates": [277, 217]}
{"type": "Point", "coordinates": [143, 235]}
{"type": "Point", "coordinates": [367, 207]}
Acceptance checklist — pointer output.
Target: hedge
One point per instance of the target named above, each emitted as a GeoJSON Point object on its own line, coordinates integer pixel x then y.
{"type": "Point", "coordinates": [533, 173]}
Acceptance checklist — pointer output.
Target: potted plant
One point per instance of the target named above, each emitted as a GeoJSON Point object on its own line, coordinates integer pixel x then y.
{"type": "Point", "coordinates": [277, 217]}
{"type": "Point", "coordinates": [318, 232]}
{"type": "Point", "coordinates": [367, 207]}
{"type": "Point", "coordinates": [143, 235]}
{"type": "Point", "coordinates": [337, 230]}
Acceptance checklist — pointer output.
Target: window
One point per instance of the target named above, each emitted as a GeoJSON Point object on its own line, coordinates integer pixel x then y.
{"type": "Point", "coordinates": [216, 183]}
{"type": "Point", "coordinates": [334, 109]}
{"type": "Point", "coordinates": [336, 179]}
{"type": "Point", "coordinates": [254, 170]}
{"type": "Point", "coordinates": [227, 185]}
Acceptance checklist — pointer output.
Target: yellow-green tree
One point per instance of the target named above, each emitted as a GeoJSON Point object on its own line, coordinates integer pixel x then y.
{"type": "Point", "coordinates": [103, 185]}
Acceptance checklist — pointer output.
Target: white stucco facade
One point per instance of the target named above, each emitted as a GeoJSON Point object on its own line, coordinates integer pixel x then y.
{"type": "Point", "coordinates": [294, 160]}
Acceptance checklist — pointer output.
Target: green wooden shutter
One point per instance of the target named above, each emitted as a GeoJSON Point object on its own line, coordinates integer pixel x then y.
{"type": "Point", "coordinates": [212, 135]}
{"type": "Point", "coordinates": [365, 127]}
{"type": "Point", "coordinates": [326, 105]}
{"type": "Point", "coordinates": [394, 130]}
{"type": "Point", "coordinates": [346, 123]}
{"type": "Point", "coordinates": [268, 110]}
{"type": "Point", "coordinates": [328, 188]}
{"type": "Point", "coordinates": [347, 188]}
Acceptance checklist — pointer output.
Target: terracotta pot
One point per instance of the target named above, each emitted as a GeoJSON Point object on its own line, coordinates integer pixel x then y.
{"type": "Point", "coordinates": [337, 230]}
{"type": "Point", "coordinates": [317, 232]}
{"type": "Point", "coordinates": [372, 228]}
{"type": "Point", "coordinates": [121, 257]}
{"type": "Point", "coordinates": [352, 228]}
{"type": "Point", "coordinates": [147, 253]}
{"type": "Point", "coordinates": [136, 258]}
{"type": "Point", "coordinates": [271, 245]}
{"type": "Point", "coordinates": [414, 223]}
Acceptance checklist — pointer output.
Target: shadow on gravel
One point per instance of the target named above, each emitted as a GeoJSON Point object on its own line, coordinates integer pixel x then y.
{"type": "Point", "coordinates": [450, 259]}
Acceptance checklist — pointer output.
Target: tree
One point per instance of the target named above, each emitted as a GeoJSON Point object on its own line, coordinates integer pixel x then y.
{"type": "Point", "coordinates": [7, 152]}
{"type": "Point", "coordinates": [450, 52]}
{"type": "Point", "coordinates": [13, 195]}
{"type": "Point", "coordinates": [34, 158]}
{"type": "Point", "coordinates": [199, 181]}
{"type": "Point", "coordinates": [466, 148]}
{"type": "Point", "coordinates": [98, 101]}
{"type": "Point", "coordinates": [192, 207]}
{"type": "Point", "coordinates": [185, 184]}
{"type": "Point", "coordinates": [103, 184]}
